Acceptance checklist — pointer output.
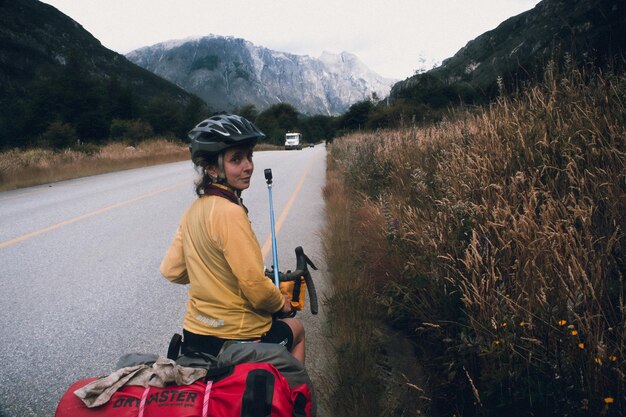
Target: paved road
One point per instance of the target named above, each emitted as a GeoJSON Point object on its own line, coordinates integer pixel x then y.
{"type": "Point", "coordinates": [79, 279]}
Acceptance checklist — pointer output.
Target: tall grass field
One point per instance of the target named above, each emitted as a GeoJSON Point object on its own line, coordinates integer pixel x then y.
{"type": "Point", "coordinates": [496, 240]}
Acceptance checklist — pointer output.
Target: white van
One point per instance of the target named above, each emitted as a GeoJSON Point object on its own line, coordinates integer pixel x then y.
{"type": "Point", "coordinates": [292, 141]}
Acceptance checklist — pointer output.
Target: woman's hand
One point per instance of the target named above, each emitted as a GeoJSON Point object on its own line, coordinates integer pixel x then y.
{"type": "Point", "coordinates": [287, 309]}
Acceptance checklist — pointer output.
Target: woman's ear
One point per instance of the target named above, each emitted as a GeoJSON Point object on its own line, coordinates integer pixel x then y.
{"type": "Point", "coordinates": [212, 170]}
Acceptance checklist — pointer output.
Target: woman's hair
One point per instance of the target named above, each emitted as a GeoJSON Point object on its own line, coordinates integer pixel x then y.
{"type": "Point", "coordinates": [203, 162]}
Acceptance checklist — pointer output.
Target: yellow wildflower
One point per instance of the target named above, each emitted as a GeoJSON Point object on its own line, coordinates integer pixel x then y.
{"type": "Point", "coordinates": [612, 358]}
{"type": "Point", "coordinates": [497, 342]}
{"type": "Point", "coordinates": [581, 345]}
{"type": "Point", "coordinates": [522, 323]}
{"type": "Point", "coordinates": [562, 322]}
{"type": "Point", "coordinates": [503, 324]}
{"type": "Point", "coordinates": [598, 361]}
{"type": "Point", "coordinates": [609, 400]}
{"type": "Point", "coordinates": [574, 332]}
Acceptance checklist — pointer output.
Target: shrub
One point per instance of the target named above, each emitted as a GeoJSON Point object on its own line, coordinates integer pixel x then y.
{"type": "Point", "coordinates": [133, 130]}
{"type": "Point", "coordinates": [58, 135]}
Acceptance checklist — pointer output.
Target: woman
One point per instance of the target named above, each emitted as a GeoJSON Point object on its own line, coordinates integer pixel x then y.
{"type": "Point", "coordinates": [216, 252]}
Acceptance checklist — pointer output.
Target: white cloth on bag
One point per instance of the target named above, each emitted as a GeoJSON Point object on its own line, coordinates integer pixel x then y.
{"type": "Point", "coordinates": [163, 372]}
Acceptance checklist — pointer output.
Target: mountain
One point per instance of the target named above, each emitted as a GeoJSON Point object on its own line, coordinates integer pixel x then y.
{"type": "Point", "coordinates": [590, 31]}
{"type": "Point", "coordinates": [39, 45]}
{"type": "Point", "coordinates": [230, 72]}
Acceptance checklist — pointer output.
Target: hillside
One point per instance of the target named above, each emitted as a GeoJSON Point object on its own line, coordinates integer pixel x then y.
{"type": "Point", "coordinates": [229, 72]}
{"type": "Point", "coordinates": [519, 49]}
{"type": "Point", "coordinates": [38, 41]}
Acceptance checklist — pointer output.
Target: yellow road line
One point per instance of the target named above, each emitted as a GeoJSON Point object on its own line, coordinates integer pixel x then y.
{"type": "Point", "coordinates": [86, 216]}
{"type": "Point", "coordinates": [267, 246]}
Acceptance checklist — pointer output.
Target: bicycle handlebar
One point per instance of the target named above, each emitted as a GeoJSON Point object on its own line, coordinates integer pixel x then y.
{"type": "Point", "coordinates": [302, 270]}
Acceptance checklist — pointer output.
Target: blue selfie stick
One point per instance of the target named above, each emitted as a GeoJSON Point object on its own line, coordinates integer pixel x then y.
{"type": "Point", "coordinates": [268, 179]}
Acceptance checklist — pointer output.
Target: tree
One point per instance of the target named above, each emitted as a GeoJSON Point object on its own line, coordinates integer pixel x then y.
{"type": "Point", "coordinates": [317, 128]}
{"type": "Point", "coordinates": [70, 95]}
{"type": "Point", "coordinates": [248, 111]}
{"type": "Point", "coordinates": [165, 116]}
{"type": "Point", "coordinates": [58, 135]}
{"type": "Point", "coordinates": [278, 120]}
{"type": "Point", "coordinates": [194, 112]}
{"type": "Point", "coordinates": [133, 130]}
{"type": "Point", "coordinates": [356, 116]}
{"type": "Point", "coordinates": [12, 122]}
{"type": "Point", "coordinates": [119, 101]}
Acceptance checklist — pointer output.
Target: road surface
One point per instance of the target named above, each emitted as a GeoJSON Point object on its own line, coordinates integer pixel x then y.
{"type": "Point", "coordinates": [80, 283]}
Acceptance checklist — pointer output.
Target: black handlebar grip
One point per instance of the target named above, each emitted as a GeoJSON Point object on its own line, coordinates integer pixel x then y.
{"type": "Point", "coordinates": [300, 258]}
{"type": "Point", "coordinates": [312, 293]}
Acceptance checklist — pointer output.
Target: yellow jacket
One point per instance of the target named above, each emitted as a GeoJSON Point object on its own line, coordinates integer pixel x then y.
{"type": "Point", "coordinates": [216, 251]}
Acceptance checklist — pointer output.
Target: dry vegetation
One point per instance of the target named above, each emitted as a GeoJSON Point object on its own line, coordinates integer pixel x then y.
{"type": "Point", "coordinates": [496, 240]}
{"type": "Point", "coordinates": [356, 386]}
{"type": "Point", "coordinates": [24, 168]}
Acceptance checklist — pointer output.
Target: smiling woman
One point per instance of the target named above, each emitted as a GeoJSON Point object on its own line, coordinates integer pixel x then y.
{"type": "Point", "coordinates": [216, 252]}
{"type": "Point", "coordinates": [238, 167]}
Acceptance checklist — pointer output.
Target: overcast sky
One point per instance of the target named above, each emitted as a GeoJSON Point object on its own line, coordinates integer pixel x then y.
{"type": "Point", "coordinates": [393, 37]}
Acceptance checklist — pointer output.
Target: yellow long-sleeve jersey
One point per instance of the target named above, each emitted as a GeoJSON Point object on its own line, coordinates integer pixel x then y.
{"type": "Point", "coordinates": [216, 252]}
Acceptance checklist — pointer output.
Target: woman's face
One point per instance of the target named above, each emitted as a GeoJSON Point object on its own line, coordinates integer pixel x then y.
{"type": "Point", "coordinates": [238, 167]}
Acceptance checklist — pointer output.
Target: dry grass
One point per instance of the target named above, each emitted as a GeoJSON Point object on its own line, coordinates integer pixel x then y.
{"type": "Point", "coordinates": [23, 168]}
{"type": "Point", "coordinates": [356, 386]}
{"type": "Point", "coordinates": [497, 237]}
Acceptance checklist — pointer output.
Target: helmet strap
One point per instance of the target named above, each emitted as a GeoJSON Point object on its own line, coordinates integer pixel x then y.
{"type": "Point", "coordinates": [221, 177]}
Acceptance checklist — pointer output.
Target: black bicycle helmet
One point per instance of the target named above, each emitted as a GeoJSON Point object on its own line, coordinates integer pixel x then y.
{"type": "Point", "coordinates": [220, 132]}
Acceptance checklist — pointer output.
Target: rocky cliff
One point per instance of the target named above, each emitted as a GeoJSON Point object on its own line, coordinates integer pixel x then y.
{"type": "Point", "coordinates": [229, 72]}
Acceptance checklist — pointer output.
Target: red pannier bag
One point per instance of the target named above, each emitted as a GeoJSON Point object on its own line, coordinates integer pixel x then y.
{"type": "Point", "coordinates": [243, 390]}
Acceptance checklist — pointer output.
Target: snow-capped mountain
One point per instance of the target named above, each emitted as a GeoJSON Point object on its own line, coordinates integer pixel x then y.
{"type": "Point", "coordinates": [230, 72]}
